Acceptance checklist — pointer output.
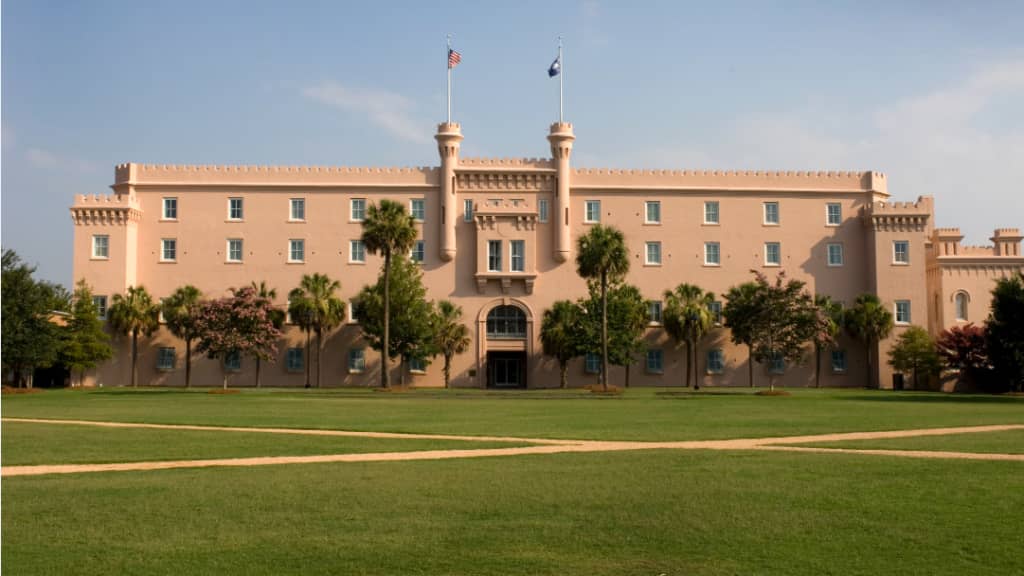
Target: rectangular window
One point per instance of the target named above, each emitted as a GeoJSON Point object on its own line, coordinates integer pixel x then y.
{"type": "Point", "coordinates": [715, 361]}
{"type": "Point", "coordinates": [168, 250]}
{"type": "Point", "coordinates": [298, 209]}
{"type": "Point", "coordinates": [839, 360]}
{"type": "Point", "coordinates": [592, 211]}
{"type": "Point", "coordinates": [715, 307]}
{"type": "Point", "coordinates": [771, 213]}
{"type": "Point", "coordinates": [903, 311]}
{"type": "Point", "coordinates": [296, 250]}
{"type": "Point", "coordinates": [165, 359]}
{"type": "Point", "coordinates": [772, 254]}
{"type": "Point", "coordinates": [712, 254]}
{"type": "Point", "coordinates": [592, 363]}
{"type": "Point", "coordinates": [233, 362]}
{"type": "Point", "coordinates": [653, 256]}
{"type": "Point", "coordinates": [835, 254]}
{"type": "Point", "coordinates": [100, 304]}
{"type": "Point", "coordinates": [833, 213]}
{"type": "Point", "coordinates": [235, 209]}
{"type": "Point", "coordinates": [517, 251]}
{"type": "Point", "coordinates": [294, 360]}
{"type": "Point", "coordinates": [542, 209]}
{"type": "Point", "coordinates": [654, 311]}
{"type": "Point", "coordinates": [101, 246]}
{"type": "Point", "coordinates": [355, 311]}
{"type": "Point", "coordinates": [652, 212]}
{"type": "Point", "coordinates": [418, 251]}
{"type": "Point", "coordinates": [494, 255]}
{"type": "Point", "coordinates": [417, 207]}
{"type": "Point", "coordinates": [357, 209]}
{"type": "Point", "coordinates": [467, 214]}
{"type": "Point", "coordinates": [356, 251]}
{"type": "Point", "coordinates": [417, 365]}
{"type": "Point", "coordinates": [901, 252]}
{"type": "Point", "coordinates": [235, 250]}
{"type": "Point", "coordinates": [711, 212]}
{"type": "Point", "coordinates": [356, 360]}
{"type": "Point", "coordinates": [655, 361]}
{"type": "Point", "coordinates": [170, 208]}
{"type": "Point", "coordinates": [777, 365]}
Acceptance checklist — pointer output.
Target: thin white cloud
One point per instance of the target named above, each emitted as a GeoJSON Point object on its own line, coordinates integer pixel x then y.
{"type": "Point", "coordinates": [46, 160]}
{"type": "Point", "coordinates": [389, 110]}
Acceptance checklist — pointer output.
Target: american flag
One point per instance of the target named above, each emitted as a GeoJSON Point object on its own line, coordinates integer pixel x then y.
{"type": "Point", "coordinates": [453, 58]}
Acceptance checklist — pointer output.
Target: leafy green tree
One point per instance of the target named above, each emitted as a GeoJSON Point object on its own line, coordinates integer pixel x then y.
{"type": "Point", "coordinates": [322, 311]}
{"type": "Point", "coordinates": [602, 255]}
{"type": "Point", "coordinates": [86, 344]}
{"type": "Point", "coordinates": [388, 230]}
{"type": "Point", "coordinates": [181, 312]}
{"type": "Point", "coordinates": [627, 318]}
{"type": "Point", "coordinates": [869, 322]}
{"type": "Point", "coordinates": [740, 306]}
{"type": "Point", "coordinates": [242, 324]}
{"type": "Point", "coordinates": [915, 352]}
{"type": "Point", "coordinates": [277, 318]}
{"type": "Point", "coordinates": [559, 334]}
{"type": "Point", "coordinates": [688, 319]}
{"type": "Point", "coordinates": [1005, 328]}
{"type": "Point", "coordinates": [830, 315]}
{"type": "Point", "coordinates": [451, 336]}
{"type": "Point", "coordinates": [134, 313]}
{"type": "Point", "coordinates": [30, 340]}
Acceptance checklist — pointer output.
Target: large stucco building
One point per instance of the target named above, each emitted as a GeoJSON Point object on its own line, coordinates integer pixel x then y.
{"type": "Point", "coordinates": [497, 237]}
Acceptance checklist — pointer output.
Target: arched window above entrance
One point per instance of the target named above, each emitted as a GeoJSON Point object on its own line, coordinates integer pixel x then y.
{"type": "Point", "coordinates": [506, 322]}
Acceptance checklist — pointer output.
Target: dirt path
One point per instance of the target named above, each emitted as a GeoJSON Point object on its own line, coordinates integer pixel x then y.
{"type": "Point", "coordinates": [547, 446]}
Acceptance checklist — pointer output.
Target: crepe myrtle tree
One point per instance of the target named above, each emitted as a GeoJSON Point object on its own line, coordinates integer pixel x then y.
{"type": "Point", "coordinates": [242, 323]}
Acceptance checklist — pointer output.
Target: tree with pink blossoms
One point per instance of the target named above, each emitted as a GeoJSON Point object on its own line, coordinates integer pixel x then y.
{"type": "Point", "coordinates": [242, 323]}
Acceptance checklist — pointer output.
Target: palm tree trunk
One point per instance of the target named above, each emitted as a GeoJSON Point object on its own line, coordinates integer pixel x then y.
{"type": "Point", "coordinates": [604, 330]}
{"type": "Point", "coordinates": [867, 356]}
{"type": "Point", "coordinates": [401, 375]}
{"type": "Point", "coordinates": [627, 375]}
{"type": "Point", "coordinates": [385, 378]}
{"type": "Point", "coordinates": [687, 369]}
{"type": "Point", "coordinates": [696, 373]}
{"type": "Point", "coordinates": [135, 357]}
{"type": "Point", "coordinates": [306, 359]}
{"type": "Point", "coordinates": [447, 369]}
{"type": "Point", "coordinates": [225, 386]}
{"type": "Point", "coordinates": [564, 366]}
{"type": "Point", "coordinates": [188, 364]}
{"type": "Point", "coordinates": [319, 353]}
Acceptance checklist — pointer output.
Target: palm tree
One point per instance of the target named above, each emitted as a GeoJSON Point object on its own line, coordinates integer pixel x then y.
{"type": "Point", "coordinates": [602, 254]}
{"type": "Point", "coordinates": [181, 311]}
{"type": "Point", "coordinates": [687, 319]}
{"type": "Point", "coordinates": [134, 313]}
{"type": "Point", "coordinates": [868, 321]}
{"type": "Point", "coordinates": [831, 320]}
{"type": "Point", "coordinates": [451, 336]}
{"type": "Point", "coordinates": [320, 308]}
{"type": "Point", "coordinates": [388, 229]}
{"type": "Point", "coordinates": [740, 305]}
{"type": "Point", "coordinates": [277, 315]}
{"type": "Point", "coordinates": [302, 316]}
{"type": "Point", "coordinates": [558, 334]}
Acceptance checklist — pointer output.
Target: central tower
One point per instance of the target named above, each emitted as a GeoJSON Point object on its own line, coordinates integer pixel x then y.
{"type": "Point", "coordinates": [561, 139]}
{"type": "Point", "coordinates": [449, 140]}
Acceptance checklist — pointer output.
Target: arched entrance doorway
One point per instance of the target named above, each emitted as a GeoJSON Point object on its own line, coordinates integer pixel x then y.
{"type": "Point", "coordinates": [506, 330]}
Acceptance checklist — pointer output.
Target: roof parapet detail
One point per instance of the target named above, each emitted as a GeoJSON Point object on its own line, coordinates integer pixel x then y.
{"type": "Point", "coordinates": [104, 209]}
{"type": "Point", "coordinates": [731, 179]}
{"type": "Point", "coordinates": [899, 216]}
{"type": "Point", "coordinates": [136, 174]}
{"type": "Point", "coordinates": [546, 163]}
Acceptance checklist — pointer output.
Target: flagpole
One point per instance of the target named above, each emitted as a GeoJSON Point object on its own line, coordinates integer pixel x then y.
{"type": "Point", "coordinates": [447, 63]}
{"type": "Point", "coordinates": [561, 77]}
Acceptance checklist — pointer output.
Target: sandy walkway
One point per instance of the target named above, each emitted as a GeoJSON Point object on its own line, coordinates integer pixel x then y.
{"type": "Point", "coordinates": [547, 446]}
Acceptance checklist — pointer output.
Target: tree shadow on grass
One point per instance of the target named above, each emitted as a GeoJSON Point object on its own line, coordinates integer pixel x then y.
{"type": "Point", "coordinates": [936, 399]}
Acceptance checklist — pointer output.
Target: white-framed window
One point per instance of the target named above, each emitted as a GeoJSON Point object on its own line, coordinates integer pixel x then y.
{"type": "Point", "coordinates": [100, 304]}
{"type": "Point", "coordinates": [357, 209]}
{"type": "Point", "coordinates": [655, 361]}
{"type": "Point", "coordinates": [101, 246]}
{"type": "Point", "coordinates": [233, 362]}
{"type": "Point", "coordinates": [835, 254]}
{"type": "Point", "coordinates": [168, 249]}
{"type": "Point", "coordinates": [654, 311]}
{"type": "Point", "coordinates": [592, 211]}
{"type": "Point", "coordinates": [901, 252]}
{"type": "Point", "coordinates": [165, 359]}
{"type": "Point", "coordinates": [903, 311]}
{"type": "Point", "coordinates": [772, 254]}
{"type": "Point", "coordinates": [592, 363]}
{"type": "Point", "coordinates": [296, 250]}
{"type": "Point", "coordinates": [160, 312]}
{"type": "Point", "coordinates": [418, 209]}
{"type": "Point", "coordinates": [712, 254]}
{"type": "Point", "coordinates": [715, 307]}
{"type": "Point", "coordinates": [356, 251]}
{"type": "Point", "coordinates": [234, 250]}
{"type": "Point", "coordinates": [542, 210]}
{"type": "Point", "coordinates": [235, 209]}
{"type": "Point", "coordinates": [517, 255]}
{"type": "Point", "coordinates": [467, 210]}
{"type": "Point", "coordinates": [711, 212]}
{"type": "Point", "coordinates": [355, 311]}
{"type": "Point", "coordinates": [356, 360]}
{"type": "Point", "coordinates": [418, 252]}
{"type": "Point", "coordinates": [653, 254]}
{"type": "Point", "coordinates": [833, 214]}
{"type": "Point", "coordinates": [652, 212]}
{"type": "Point", "coordinates": [297, 209]}
{"type": "Point", "coordinates": [777, 365]}
{"type": "Point", "coordinates": [715, 361]}
{"type": "Point", "coordinates": [417, 365]}
{"type": "Point", "coordinates": [494, 255]}
{"type": "Point", "coordinates": [960, 303]}
{"type": "Point", "coordinates": [771, 213]}
{"type": "Point", "coordinates": [839, 361]}
{"type": "Point", "coordinates": [170, 208]}
{"type": "Point", "coordinates": [294, 360]}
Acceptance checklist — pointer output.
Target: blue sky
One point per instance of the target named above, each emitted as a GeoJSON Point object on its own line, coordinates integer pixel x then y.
{"type": "Point", "coordinates": [929, 92]}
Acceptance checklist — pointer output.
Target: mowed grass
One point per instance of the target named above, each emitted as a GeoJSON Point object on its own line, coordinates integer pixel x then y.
{"type": "Point", "coordinates": [35, 443]}
{"type": "Point", "coordinates": [639, 414]}
{"type": "Point", "coordinates": [647, 512]}
{"type": "Point", "coordinates": [1008, 442]}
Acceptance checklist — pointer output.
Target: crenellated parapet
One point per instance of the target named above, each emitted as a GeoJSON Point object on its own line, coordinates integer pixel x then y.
{"type": "Point", "coordinates": [502, 163]}
{"type": "Point", "coordinates": [104, 209]}
{"type": "Point", "coordinates": [213, 175]}
{"type": "Point", "coordinates": [899, 216]}
{"type": "Point", "coordinates": [597, 178]}
{"type": "Point", "coordinates": [505, 181]}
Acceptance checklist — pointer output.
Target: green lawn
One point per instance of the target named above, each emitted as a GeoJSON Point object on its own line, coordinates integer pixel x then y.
{"type": "Point", "coordinates": [1008, 442]}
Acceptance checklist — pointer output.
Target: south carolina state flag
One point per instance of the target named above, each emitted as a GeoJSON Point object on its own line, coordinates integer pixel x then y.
{"type": "Point", "coordinates": [555, 68]}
